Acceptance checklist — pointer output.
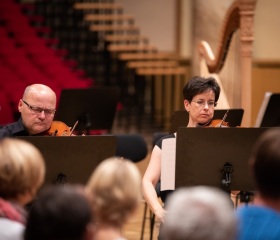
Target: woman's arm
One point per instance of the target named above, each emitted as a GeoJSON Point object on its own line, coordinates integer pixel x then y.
{"type": "Point", "coordinates": [150, 179]}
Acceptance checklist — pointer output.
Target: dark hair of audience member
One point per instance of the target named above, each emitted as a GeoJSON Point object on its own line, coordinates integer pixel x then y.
{"type": "Point", "coordinates": [61, 212]}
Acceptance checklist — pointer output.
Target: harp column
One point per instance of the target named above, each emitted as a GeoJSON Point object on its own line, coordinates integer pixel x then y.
{"type": "Point", "coordinates": [246, 11]}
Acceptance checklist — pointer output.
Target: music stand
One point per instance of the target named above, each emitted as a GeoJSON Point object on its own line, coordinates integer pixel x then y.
{"type": "Point", "coordinates": [215, 156]}
{"type": "Point", "coordinates": [181, 118]}
{"type": "Point", "coordinates": [269, 114]}
{"type": "Point", "coordinates": [94, 107]}
{"type": "Point", "coordinates": [72, 159]}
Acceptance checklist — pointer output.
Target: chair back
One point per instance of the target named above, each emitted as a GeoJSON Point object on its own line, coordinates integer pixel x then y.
{"type": "Point", "coordinates": [131, 146]}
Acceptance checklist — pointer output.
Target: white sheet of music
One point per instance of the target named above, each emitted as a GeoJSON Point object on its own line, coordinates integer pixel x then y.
{"type": "Point", "coordinates": [263, 107]}
{"type": "Point", "coordinates": [168, 161]}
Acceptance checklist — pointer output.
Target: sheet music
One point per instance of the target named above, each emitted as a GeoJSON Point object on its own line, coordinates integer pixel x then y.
{"type": "Point", "coordinates": [263, 109]}
{"type": "Point", "coordinates": [168, 161]}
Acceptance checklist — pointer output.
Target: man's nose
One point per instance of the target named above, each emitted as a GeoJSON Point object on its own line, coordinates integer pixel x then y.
{"type": "Point", "coordinates": [42, 114]}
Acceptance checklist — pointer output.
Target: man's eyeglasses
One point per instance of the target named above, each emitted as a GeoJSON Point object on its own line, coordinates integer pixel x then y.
{"type": "Point", "coordinates": [201, 103]}
{"type": "Point", "coordinates": [38, 110]}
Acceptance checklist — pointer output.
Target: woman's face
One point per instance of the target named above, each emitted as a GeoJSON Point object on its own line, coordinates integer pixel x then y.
{"type": "Point", "coordinates": [201, 108]}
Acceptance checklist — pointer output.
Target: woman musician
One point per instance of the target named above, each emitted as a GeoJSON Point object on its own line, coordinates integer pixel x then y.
{"type": "Point", "coordinates": [200, 98]}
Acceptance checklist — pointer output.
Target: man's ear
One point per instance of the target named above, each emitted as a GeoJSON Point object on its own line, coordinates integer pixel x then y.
{"type": "Point", "coordinates": [20, 103]}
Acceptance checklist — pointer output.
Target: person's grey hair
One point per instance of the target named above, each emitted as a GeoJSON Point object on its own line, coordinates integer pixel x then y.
{"type": "Point", "coordinates": [199, 213]}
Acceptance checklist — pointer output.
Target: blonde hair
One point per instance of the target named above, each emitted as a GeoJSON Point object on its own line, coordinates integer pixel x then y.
{"type": "Point", "coordinates": [114, 190]}
{"type": "Point", "coordinates": [22, 168]}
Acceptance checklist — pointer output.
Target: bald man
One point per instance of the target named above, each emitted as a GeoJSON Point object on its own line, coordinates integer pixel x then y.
{"type": "Point", "coordinates": [37, 108]}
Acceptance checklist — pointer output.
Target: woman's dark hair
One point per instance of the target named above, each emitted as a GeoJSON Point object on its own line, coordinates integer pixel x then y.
{"type": "Point", "coordinates": [198, 85]}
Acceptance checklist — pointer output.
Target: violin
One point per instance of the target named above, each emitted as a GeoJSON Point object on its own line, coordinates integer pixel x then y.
{"type": "Point", "coordinates": [218, 123]}
{"type": "Point", "coordinates": [59, 128]}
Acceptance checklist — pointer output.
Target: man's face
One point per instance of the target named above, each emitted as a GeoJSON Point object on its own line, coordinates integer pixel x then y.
{"type": "Point", "coordinates": [37, 111]}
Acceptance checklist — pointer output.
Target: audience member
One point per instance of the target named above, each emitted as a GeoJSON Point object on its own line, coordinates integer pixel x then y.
{"type": "Point", "coordinates": [37, 109]}
{"type": "Point", "coordinates": [22, 172]}
{"type": "Point", "coordinates": [60, 212]}
{"type": "Point", "coordinates": [114, 190]}
{"type": "Point", "coordinates": [199, 213]}
{"type": "Point", "coordinates": [261, 220]}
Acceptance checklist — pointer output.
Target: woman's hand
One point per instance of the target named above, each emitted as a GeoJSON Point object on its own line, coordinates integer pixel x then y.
{"type": "Point", "coordinates": [160, 214]}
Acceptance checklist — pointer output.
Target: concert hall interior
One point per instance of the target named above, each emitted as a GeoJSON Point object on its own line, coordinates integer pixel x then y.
{"type": "Point", "coordinates": [148, 50]}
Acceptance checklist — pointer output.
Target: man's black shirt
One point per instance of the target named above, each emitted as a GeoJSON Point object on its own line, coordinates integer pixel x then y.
{"type": "Point", "coordinates": [13, 130]}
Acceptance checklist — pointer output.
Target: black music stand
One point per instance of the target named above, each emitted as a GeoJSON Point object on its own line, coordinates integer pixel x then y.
{"type": "Point", "coordinates": [215, 156]}
{"type": "Point", "coordinates": [181, 118]}
{"type": "Point", "coordinates": [94, 108]}
{"type": "Point", "coordinates": [269, 113]}
{"type": "Point", "coordinates": [72, 159]}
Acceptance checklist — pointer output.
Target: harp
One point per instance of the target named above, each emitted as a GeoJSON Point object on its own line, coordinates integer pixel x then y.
{"type": "Point", "coordinates": [240, 15]}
